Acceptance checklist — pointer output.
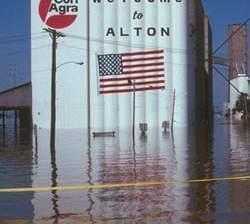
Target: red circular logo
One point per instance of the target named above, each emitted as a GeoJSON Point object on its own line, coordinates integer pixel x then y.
{"type": "Point", "coordinates": [58, 14]}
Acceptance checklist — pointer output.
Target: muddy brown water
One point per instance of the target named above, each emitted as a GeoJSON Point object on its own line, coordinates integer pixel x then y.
{"type": "Point", "coordinates": [221, 150]}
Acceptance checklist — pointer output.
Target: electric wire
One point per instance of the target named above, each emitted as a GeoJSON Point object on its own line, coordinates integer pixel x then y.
{"type": "Point", "coordinates": [84, 49]}
{"type": "Point", "coordinates": [119, 43]}
{"type": "Point", "coordinates": [24, 50]}
{"type": "Point", "coordinates": [22, 39]}
{"type": "Point", "coordinates": [227, 80]}
{"type": "Point", "coordinates": [20, 35]}
{"type": "Point", "coordinates": [221, 45]}
{"type": "Point", "coordinates": [232, 35]}
{"type": "Point", "coordinates": [41, 70]}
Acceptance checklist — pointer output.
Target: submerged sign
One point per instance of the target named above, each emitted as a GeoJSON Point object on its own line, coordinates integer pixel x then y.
{"type": "Point", "coordinates": [58, 14]}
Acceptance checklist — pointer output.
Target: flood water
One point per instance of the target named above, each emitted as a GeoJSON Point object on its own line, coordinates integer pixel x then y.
{"type": "Point", "coordinates": [222, 150]}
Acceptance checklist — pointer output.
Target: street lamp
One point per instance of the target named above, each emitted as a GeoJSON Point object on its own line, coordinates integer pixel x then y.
{"type": "Point", "coordinates": [53, 102]}
{"type": "Point", "coordinates": [69, 62]}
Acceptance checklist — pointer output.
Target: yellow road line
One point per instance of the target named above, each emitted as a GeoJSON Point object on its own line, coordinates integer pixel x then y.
{"type": "Point", "coordinates": [123, 185]}
{"type": "Point", "coordinates": [19, 221]}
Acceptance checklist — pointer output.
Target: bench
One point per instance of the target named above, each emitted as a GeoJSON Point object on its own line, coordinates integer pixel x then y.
{"type": "Point", "coordinates": [104, 134]}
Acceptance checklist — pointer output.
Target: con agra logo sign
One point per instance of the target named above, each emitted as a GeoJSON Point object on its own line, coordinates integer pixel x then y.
{"type": "Point", "coordinates": [58, 14]}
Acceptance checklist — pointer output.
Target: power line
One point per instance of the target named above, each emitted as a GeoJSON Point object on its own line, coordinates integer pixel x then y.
{"type": "Point", "coordinates": [225, 41]}
{"type": "Point", "coordinates": [119, 43]}
{"type": "Point", "coordinates": [220, 46]}
{"type": "Point", "coordinates": [83, 49]}
{"type": "Point", "coordinates": [20, 35]}
{"type": "Point", "coordinates": [24, 50]}
{"type": "Point", "coordinates": [41, 70]}
{"type": "Point", "coordinates": [73, 47]}
{"type": "Point", "coordinates": [229, 82]}
{"type": "Point", "coordinates": [22, 39]}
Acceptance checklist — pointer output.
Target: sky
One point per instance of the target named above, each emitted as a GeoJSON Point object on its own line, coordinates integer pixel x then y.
{"type": "Point", "coordinates": [15, 32]}
{"type": "Point", "coordinates": [14, 43]}
{"type": "Point", "coordinates": [222, 13]}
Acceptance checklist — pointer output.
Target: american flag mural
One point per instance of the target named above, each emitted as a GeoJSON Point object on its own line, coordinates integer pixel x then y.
{"type": "Point", "coordinates": [132, 71]}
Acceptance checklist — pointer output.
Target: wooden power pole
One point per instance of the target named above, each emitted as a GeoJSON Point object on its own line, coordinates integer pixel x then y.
{"type": "Point", "coordinates": [54, 36]}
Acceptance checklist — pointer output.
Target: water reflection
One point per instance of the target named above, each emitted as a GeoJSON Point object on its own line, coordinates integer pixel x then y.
{"type": "Point", "coordinates": [152, 159]}
{"type": "Point", "coordinates": [239, 164]}
{"type": "Point", "coordinates": [55, 197]}
{"type": "Point", "coordinates": [16, 170]}
{"type": "Point", "coordinates": [222, 150]}
{"type": "Point", "coordinates": [202, 195]}
{"type": "Point", "coordinates": [90, 191]}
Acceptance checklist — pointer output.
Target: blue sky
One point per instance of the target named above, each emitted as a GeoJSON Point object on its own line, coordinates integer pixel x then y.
{"type": "Point", "coordinates": [14, 42]}
{"type": "Point", "coordinates": [224, 12]}
{"type": "Point", "coordinates": [15, 20]}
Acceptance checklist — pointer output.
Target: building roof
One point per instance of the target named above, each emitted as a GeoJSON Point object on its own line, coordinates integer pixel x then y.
{"type": "Point", "coordinates": [16, 97]}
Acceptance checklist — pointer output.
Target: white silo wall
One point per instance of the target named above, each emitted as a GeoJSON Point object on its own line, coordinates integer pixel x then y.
{"type": "Point", "coordinates": [71, 84]}
{"type": "Point", "coordinates": [124, 100]}
{"type": "Point", "coordinates": [152, 103]}
{"type": "Point", "coordinates": [110, 100]}
{"type": "Point", "coordinates": [166, 96]}
{"type": "Point", "coordinates": [241, 83]}
{"type": "Point", "coordinates": [96, 47]}
{"type": "Point", "coordinates": [112, 111]}
{"type": "Point", "coordinates": [180, 62]}
{"type": "Point", "coordinates": [137, 44]}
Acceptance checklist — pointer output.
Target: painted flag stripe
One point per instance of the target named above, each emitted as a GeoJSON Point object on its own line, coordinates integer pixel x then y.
{"type": "Point", "coordinates": [144, 71]}
{"type": "Point", "coordinates": [131, 90]}
{"type": "Point", "coordinates": [128, 84]}
{"type": "Point", "coordinates": [135, 69]}
{"type": "Point", "coordinates": [126, 88]}
{"type": "Point", "coordinates": [131, 87]}
{"type": "Point", "coordinates": [148, 74]}
{"type": "Point", "coordinates": [143, 65]}
{"type": "Point", "coordinates": [125, 81]}
{"type": "Point", "coordinates": [129, 78]}
{"type": "Point", "coordinates": [141, 56]}
{"type": "Point", "coordinates": [142, 53]}
{"type": "Point", "coordinates": [143, 59]}
{"type": "Point", "coordinates": [134, 80]}
{"type": "Point", "coordinates": [142, 62]}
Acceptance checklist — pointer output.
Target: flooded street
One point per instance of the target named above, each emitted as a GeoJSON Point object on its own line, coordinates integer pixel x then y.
{"type": "Point", "coordinates": [219, 151]}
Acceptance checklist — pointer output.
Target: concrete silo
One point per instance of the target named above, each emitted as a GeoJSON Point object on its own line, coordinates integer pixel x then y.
{"type": "Point", "coordinates": [116, 28]}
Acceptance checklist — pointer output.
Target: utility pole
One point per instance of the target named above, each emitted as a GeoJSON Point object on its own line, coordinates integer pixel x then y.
{"type": "Point", "coordinates": [88, 72]}
{"type": "Point", "coordinates": [173, 108]}
{"type": "Point", "coordinates": [54, 36]}
{"type": "Point", "coordinates": [133, 126]}
{"type": "Point", "coordinates": [132, 82]}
